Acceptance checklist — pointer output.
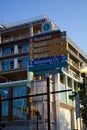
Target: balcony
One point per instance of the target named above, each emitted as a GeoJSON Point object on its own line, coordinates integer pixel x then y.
{"type": "Point", "coordinates": [75, 55]}
{"type": "Point", "coordinates": [14, 83]}
{"type": "Point", "coordinates": [74, 64]}
{"type": "Point", "coordinates": [72, 74]}
{"type": "Point", "coordinates": [12, 67]}
{"type": "Point", "coordinates": [14, 39]}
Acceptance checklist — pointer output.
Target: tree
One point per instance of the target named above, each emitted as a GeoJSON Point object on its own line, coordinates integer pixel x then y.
{"type": "Point", "coordinates": [82, 101]}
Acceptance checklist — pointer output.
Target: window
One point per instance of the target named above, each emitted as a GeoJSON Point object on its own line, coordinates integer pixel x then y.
{"type": "Point", "coordinates": [5, 94]}
{"type": "Point", "coordinates": [12, 64]}
{"type": "Point", "coordinates": [12, 51]}
{"type": "Point", "coordinates": [62, 95]}
{"type": "Point", "coordinates": [6, 65]}
{"type": "Point", "coordinates": [22, 62]}
{"type": "Point", "coordinates": [6, 51]}
{"type": "Point", "coordinates": [18, 103]}
{"type": "Point", "coordinates": [19, 49]}
{"type": "Point", "coordinates": [24, 47]}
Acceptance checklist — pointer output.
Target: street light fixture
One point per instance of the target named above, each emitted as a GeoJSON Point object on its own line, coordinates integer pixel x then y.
{"type": "Point", "coordinates": [83, 68]}
{"type": "Point", "coordinates": [37, 113]}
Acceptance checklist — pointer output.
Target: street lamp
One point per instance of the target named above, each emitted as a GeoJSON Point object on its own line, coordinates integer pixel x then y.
{"type": "Point", "coordinates": [83, 71]}
{"type": "Point", "coordinates": [37, 113]}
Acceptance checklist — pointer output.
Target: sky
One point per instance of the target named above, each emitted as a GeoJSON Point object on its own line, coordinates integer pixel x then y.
{"type": "Point", "coordinates": [68, 15]}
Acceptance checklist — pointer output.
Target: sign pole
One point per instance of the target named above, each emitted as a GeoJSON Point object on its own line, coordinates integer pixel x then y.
{"type": "Point", "coordinates": [48, 102]}
{"type": "Point", "coordinates": [0, 112]}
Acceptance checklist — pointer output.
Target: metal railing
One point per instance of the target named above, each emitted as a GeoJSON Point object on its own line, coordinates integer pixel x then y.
{"type": "Point", "coordinates": [23, 22]}
{"type": "Point", "coordinates": [13, 83]}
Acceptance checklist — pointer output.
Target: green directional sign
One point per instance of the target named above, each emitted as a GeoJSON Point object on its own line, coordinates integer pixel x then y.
{"type": "Point", "coordinates": [58, 70]}
{"type": "Point", "coordinates": [48, 66]}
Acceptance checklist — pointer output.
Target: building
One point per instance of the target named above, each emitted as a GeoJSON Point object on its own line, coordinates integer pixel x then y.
{"type": "Point", "coordinates": [14, 55]}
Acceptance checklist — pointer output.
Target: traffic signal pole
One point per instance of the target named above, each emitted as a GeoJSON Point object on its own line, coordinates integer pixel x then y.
{"type": "Point", "coordinates": [0, 112]}
{"type": "Point", "coordinates": [48, 102]}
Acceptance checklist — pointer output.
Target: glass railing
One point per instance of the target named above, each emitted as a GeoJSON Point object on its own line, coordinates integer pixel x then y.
{"type": "Point", "coordinates": [14, 39]}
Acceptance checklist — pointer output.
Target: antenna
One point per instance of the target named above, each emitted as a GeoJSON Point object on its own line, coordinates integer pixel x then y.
{"type": "Point", "coordinates": [3, 21]}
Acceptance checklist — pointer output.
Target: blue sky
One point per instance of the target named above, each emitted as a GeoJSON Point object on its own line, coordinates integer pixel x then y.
{"type": "Point", "coordinates": [68, 15]}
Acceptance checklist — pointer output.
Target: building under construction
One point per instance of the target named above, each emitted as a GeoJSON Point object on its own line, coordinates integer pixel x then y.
{"type": "Point", "coordinates": [15, 52]}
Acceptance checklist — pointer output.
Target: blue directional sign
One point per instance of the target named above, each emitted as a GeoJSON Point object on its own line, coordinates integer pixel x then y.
{"type": "Point", "coordinates": [48, 60]}
{"type": "Point", "coordinates": [48, 65]}
{"type": "Point", "coordinates": [51, 71]}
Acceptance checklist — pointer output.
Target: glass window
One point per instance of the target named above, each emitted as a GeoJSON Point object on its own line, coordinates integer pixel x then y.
{"type": "Point", "coordinates": [69, 101]}
{"type": "Point", "coordinates": [12, 50]}
{"type": "Point", "coordinates": [18, 104]}
{"type": "Point", "coordinates": [62, 95]}
{"type": "Point", "coordinates": [6, 65]}
{"type": "Point", "coordinates": [19, 49]}
{"type": "Point", "coordinates": [5, 94]}
{"type": "Point", "coordinates": [24, 61]}
{"type": "Point", "coordinates": [24, 47]}
{"type": "Point", "coordinates": [6, 51]}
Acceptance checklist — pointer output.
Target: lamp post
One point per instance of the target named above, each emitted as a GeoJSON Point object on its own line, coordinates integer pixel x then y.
{"type": "Point", "coordinates": [0, 111]}
{"type": "Point", "coordinates": [83, 71]}
{"type": "Point", "coordinates": [37, 113]}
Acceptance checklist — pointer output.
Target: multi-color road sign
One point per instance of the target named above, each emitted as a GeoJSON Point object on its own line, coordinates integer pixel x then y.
{"type": "Point", "coordinates": [47, 52]}
{"type": "Point", "coordinates": [47, 45]}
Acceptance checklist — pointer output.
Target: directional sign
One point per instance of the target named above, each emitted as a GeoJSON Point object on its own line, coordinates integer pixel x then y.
{"type": "Point", "coordinates": [50, 53]}
{"type": "Point", "coordinates": [48, 60]}
{"type": "Point", "coordinates": [47, 36]}
{"type": "Point", "coordinates": [47, 52]}
{"type": "Point", "coordinates": [58, 70]}
{"type": "Point", "coordinates": [47, 45]}
{"type": "Point", "coordinates": [48, 66]}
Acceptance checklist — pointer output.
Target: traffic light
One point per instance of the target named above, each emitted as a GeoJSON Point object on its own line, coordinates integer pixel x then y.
{"type": "Point", "coordinates": [33, 112]}
{"type": "Point", "coordinates": [30, 98]}
{"type": "Point", "coordinates": [27, 110]}
{"type": "Point", "coordinates": [22, 109]}
{"type": "Point", "coordinates": [2, 125]}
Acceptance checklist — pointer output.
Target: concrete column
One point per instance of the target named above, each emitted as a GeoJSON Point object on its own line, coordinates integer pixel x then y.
{"type": "Point", "coordinates": [57, 103]}
{"type": "Point", "coordinates": [31, 30]}
{"type": "Point", "coordinates": [0, 65]}
{"type": "Point", "coordinates": [15, 49]}
{"type": "Point", "coordinates": [72, 110]}
{"type": "Point", "coordinates": [66, 86]}
{"type": "Point", "coordinates": [0, 52]}
{"type": "Point", "coordinates": [0, 39]}
{"type": "Point", "coordinates": [15, 63]}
